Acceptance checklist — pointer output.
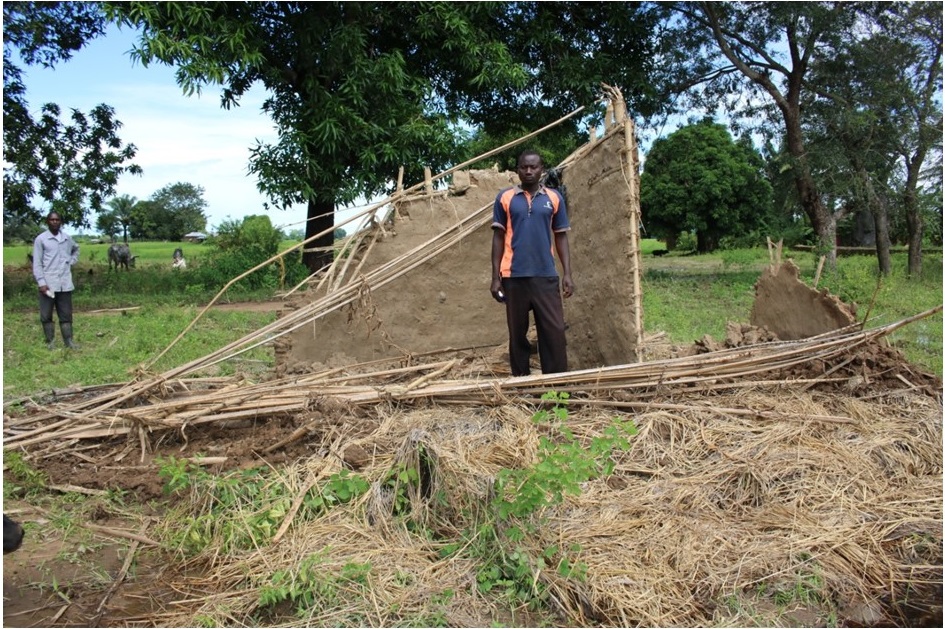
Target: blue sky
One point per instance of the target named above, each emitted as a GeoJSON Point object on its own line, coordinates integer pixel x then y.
{"type": "Point", "coordinates": [179, 138]}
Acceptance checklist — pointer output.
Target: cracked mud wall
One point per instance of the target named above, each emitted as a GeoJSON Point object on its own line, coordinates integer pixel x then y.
{"type": "Point", "coordinates": [445, 302]}
{"type": "Point", "coordinates": [791, 309]}
{"type": "Point", "coordinates": [605, 314]}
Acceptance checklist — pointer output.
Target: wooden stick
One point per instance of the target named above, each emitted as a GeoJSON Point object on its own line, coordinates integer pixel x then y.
{"type": "Point", "coordinates": [879, 284]}
{"type": "Point", "coordinates": [75, 489]}
{"type": "Point", "coordinates": [114, 310]}
{"type": "Point", "coordinates": [419, 382]}
{"type": "Point", "coordinates": [118, 580]}
{"type": "Point", "coordinates": [137, 537]}
{"type": "Point", "coordinates": [820, 267]}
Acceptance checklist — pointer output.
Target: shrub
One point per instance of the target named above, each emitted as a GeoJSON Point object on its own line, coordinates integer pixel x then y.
{"type": "Point", "coordinates": [240, 246]}
{"type": "Point", "coordinates": [687, 241]}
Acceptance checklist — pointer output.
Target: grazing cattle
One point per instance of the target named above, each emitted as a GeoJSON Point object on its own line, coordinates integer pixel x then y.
{"type": "Point", "coordinates": [660, 252]}
{"type": "Point", "coordinates": [12, 535]}
{"type": "Point", "coordinates": [120, 255]}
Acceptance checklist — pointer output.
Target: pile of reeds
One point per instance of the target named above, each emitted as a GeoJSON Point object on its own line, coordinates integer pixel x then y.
{"type": "Point", "coordinates": [741, 490]}
{"type": "Point", "coordinates": [458, 377]}
{"type": "Point", "coordinates": [708, 516]}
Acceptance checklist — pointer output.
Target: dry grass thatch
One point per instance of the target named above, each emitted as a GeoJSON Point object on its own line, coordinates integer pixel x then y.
{"type": "Point", "coordinates": [705, 507]}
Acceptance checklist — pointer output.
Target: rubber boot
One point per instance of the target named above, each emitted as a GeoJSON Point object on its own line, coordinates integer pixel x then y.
{"type": "Point", "coordinates": [49, 329]}
{"type": "Point", "coordinates": [66, 329]}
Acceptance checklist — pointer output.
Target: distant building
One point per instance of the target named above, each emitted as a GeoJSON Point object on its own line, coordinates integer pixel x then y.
{"type": "Point", "coordinates": [195, 237]}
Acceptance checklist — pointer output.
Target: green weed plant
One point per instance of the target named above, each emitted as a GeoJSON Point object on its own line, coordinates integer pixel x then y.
{"type": "Point", "coordinates": [521, 497]}
{"type": "Point", "coordinates": [242, 510]}
{"type": "Point", "coordinates": [25, 480]}
{"type": "Point", "coordinates": [312, 588]}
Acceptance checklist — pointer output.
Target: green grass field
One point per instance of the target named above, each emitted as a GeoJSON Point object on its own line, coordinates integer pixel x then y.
{"type": "Point", "coordinates": [148, 253]}
{"type": "Point", "coordinates": [690, 296]}
{"type": "Point", "coordinates": [685, 296]}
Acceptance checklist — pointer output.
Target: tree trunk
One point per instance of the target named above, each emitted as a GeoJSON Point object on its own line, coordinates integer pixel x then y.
{"type": "Point", "coordinates": [914, 222]}
{"type": "Point", "coordinates": [671, 241]}
{"type": "Point", "coordinates": [319, 253]}
{"type": "Point", "coordinates": [916, 228]}
{"type": "Point", "coordinates": [878, 210]}
{"type": "Point", "coordinates": [822, 220]}
{"type": "Point", "coordinates": [706, 242]}
{"type": "Point", "coordinates": [881, 220]}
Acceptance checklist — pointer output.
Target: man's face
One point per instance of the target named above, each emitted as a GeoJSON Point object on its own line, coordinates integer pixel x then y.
{"type": "Point", "coordinates": [529, 169]}
{"type": "Point", "coordinates": [54, 222]}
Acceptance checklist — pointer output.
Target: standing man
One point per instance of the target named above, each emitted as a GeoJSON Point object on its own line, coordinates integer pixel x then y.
{"type": "Point", "coordinates": [54, 253]}
{"type": "Point", "coordinates": [530, 223]}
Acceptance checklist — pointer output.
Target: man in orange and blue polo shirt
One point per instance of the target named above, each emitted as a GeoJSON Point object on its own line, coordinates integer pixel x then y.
{"type": "Point", "coordinates": [529, 224]}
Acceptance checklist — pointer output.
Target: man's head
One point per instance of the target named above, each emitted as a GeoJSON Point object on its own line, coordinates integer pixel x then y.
{"type": "Point", "coordinates": [54, 222]}
{"type": "Point", "coordinates": [529, 169]}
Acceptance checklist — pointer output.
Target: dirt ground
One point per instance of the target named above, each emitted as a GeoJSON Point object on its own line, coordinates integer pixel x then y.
{"type": "Point", "coordinates": [59, 582]}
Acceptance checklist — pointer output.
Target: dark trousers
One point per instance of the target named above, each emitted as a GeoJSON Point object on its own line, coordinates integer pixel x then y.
{"type": "Point", "coordinates": [543, 296]}
{"type": "Point", "coordinates": [63, 303]}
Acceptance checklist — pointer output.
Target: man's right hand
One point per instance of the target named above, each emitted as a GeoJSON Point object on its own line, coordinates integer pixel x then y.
{"type": "Point", "coordinates": [496, 289]}
{"type": "Point", "coordinates": [43, 289]}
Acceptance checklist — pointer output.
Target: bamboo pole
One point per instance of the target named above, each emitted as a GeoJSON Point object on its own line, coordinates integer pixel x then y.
{"type": "Point", "coordinates": [724, 369]}
{"type": "Point", "coordinates": [820, 267]}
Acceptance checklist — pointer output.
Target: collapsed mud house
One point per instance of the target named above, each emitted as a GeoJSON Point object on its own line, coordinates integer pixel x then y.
{"type": "Point", "coordinates": [756, 470]}
{"type": "Point", "coordinates": [444, 300]}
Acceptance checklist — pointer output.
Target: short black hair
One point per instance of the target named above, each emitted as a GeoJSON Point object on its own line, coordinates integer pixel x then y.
{"type": "Point", "coordinates": [51, 212]}
{"type": "Point", "coordinates": [528, 152]}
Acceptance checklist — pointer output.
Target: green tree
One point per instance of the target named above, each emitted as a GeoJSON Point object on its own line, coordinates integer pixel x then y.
{"type": "Point", "coordinates": [916, 73]}
{"type": "Point", "coordinates": [874, 120]}
{"type": "Point", "coordinates": [71, 166]}
{"type": "Point", "coordinates": [358, 89]}
{"type": "Point", "coordinates": [240, 245]}
{"type": "Point", "coordinates": [118, 217]}
{"type": "Point", "coordinates": [18, 229]}
{"type": "Point", "coordinates": [754, 58]}
{"type": "Point", "coordinates": [171, 212]}
{"type": "Point", "coordinates": [107, 224]}
{"type": "Point", "coordinates": [698, 179]}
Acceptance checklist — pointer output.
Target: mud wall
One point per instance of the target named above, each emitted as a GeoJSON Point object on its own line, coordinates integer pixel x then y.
{"type": "Point", "coordinates": [604, 315]}
{"type": "Point", "coordinates": [445, 302]}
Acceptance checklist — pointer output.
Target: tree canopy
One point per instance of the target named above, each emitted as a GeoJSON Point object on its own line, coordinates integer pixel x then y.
{"type": "Point", "coordinates": [117, 219]}
{"type": "Point", "coordinates": [71, 166]}
{"type": "Point", "coordinates": [358, 89]}
{"type": "Point", "coordinates": [873, 120]}
{"type": "Point", "coordinates": [169, 213]}
{"type": "Point", "coordinates": [698, 179]}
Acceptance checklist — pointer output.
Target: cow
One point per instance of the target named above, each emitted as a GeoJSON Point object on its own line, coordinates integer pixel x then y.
{"type": "Point", "coordinates": [120, 256]}
{"type": "Point", "coordinates": [12, 535]}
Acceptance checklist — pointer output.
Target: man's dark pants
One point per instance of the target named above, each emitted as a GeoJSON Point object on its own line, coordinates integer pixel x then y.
{"type": "Point", "coordinates": [543, 296]}
{"type": "Point", "coordinates": [63, 303]}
